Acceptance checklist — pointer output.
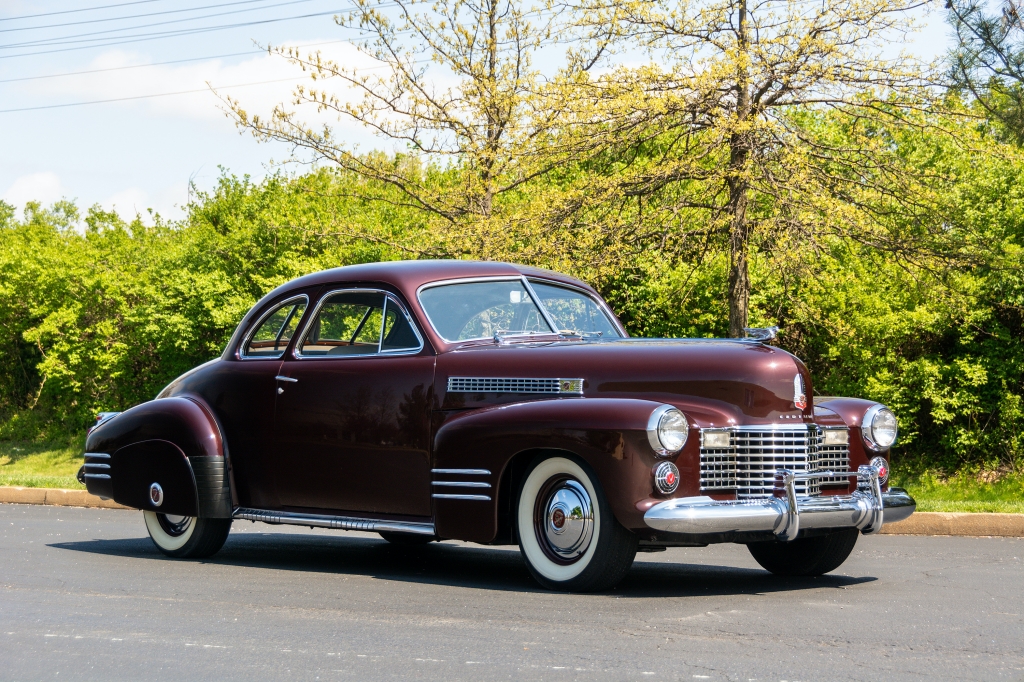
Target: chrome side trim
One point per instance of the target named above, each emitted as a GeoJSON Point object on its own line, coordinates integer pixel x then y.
{"type": "Point", "coordinates": [95, 465]}
{"type": "Point", "coordinates": [468, 472]}
{"type": "Point", "coordinates": [444, 496]}
{"type": "Point", "coordinates": [96, 455]}
{"type": "Point", "coordinates": [462, 484]}
{"type": "Point", "coordinates": [96, 475]}
{"type": "Point", "coordinates": [866, 509]}
{"type": "Point", "coordinates": [332, 522]}
{"type": "Point", "coordinates": [538, 385]}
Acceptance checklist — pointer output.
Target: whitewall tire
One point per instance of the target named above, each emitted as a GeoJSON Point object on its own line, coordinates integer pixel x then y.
{"type": "Point", "coordinates": [186, 536]}
{"type": "Point", "coordinates": [567, 533]}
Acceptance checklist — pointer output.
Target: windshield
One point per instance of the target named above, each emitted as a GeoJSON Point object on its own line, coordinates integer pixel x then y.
{"type": "Point", "coordinates": [464, 311]}
{"type": "Point", "coordinates": [480, 310]}
{"type": "Point", "coordinates": [574, 311]}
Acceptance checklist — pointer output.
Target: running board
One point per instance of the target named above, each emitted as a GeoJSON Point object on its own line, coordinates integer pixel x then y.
{"type": "Point", "coordinates": [333, 522]}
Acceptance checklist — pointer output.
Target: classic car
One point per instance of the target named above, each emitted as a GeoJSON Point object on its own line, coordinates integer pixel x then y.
{"type": "Point", "coordinates": [499, 404]}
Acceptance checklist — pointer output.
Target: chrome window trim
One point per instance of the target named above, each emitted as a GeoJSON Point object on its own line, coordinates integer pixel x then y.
{"type": "Point", "coordinates": [529, 291]}
{"type": "Point", "coordinates": [540, 305]}
{"type": "Point", "coordinates": [388, 296]}
{"type": "Point", "coordinates": [240, 353]}
{"type": "Point", "coordinates": [601, 304]}
{"type": "Point", "coordinates": [446, 283]}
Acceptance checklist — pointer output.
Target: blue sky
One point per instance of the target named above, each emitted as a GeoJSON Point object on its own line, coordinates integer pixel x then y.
{"type": "Point", "coordinates": [138, 154]}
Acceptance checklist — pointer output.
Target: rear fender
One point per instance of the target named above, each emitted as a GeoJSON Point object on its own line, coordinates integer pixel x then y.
{"type": "Point", "coordinates": [609, 434]}
{"type": "Point", "coordinates": [176, 440]}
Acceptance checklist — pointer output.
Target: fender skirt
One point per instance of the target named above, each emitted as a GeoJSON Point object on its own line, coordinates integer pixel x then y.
{"type": "Point", "coordinates": [172, 442]}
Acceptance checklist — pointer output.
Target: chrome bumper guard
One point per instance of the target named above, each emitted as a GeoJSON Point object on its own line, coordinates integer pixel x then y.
{"type": "Point", "coordinates": [866, 509]}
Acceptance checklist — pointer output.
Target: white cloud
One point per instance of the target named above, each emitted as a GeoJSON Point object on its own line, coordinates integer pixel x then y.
{"type": "Point", "coordinates": [259, 97]}
{"type": "Point", "coordinates": [42, 187]}
{"type": "Point", "coordinates": [128, 202]}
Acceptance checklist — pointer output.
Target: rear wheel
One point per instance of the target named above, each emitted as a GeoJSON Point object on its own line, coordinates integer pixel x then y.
{"type": "Point", "coordinates": [805, 556]}
{"type": "Point", "coordinates": [186, 537]}
{"type": "Point", "coordinates": [567, 532]}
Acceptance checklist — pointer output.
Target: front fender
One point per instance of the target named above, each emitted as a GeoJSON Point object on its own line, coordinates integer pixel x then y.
{"type": "Point", "coordinates": [170, 439]}
{"type": "Point", "coordinates": [609, 434]}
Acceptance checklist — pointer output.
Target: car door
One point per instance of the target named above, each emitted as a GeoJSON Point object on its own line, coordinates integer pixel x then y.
{"type": "Point", "coordinates": [352, 420]}
{"type": "Point", "coordinates": [241, 392]}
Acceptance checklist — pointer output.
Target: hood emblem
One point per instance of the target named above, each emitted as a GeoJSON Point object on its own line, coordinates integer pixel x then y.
{"type": "Point", "coordinates": [761, 333]}
{"type": "Point", "coordinates": [799, 393]}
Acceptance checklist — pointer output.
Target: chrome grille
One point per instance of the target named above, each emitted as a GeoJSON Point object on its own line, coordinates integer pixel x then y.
{"type": "Point", "coordinates": [754, 454]}
{"type": "Point", "coordinates": [513, 385]}
{"type": "Point", "coordinates": [718, 466]}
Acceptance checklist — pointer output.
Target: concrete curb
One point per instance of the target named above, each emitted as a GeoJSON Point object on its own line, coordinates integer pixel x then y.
{"type": "Point", "coordinates": [921, 523]}
{"type": "Point", "coordinates": [960, 523]}
{"type": "Point", "coordinates": [55, 496]}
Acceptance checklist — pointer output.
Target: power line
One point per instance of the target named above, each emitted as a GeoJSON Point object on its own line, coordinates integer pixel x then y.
{"type": "Point", "coordinates": [161, 94]}
{"type": "Point", "coordinates": [174, 34]}
{"type": "Point", "coordinates": [73, 11]}
{"type": "Point", "coordinates": [129, 16]}
{"type": "Point", "coordinates": [142, 66]}
{"type": "Point", "coordinates": [180, 92]}
{"type": "Point", "coordinates": [62, 40]}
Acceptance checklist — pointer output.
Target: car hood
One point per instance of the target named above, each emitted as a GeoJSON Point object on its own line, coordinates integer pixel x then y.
{"type": "Point", "coordinates": [717, 382]}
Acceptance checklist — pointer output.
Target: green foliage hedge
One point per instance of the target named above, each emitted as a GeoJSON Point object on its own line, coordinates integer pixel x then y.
{"type": "Point", "coordinates": [99, 313]}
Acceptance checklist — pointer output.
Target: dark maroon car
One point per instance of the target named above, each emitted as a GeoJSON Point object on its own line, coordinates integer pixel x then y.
{"type": "Point", "coordinates": [499, 404]}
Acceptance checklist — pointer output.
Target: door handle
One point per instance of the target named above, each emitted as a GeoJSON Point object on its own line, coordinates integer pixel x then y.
{"type": "Point", "coordinates": [288, 379]}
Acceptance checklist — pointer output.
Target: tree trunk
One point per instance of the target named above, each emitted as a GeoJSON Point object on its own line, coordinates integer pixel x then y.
{"type": "Point", "coordinates": [739, 154]}
{"type": "Point", "coordinates": [739, 278]}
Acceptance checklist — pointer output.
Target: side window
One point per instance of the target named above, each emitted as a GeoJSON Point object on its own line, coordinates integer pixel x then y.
{"type": "Point", "coordinates": [574, 311]}
{"type": "Point", "coordinates": [276, 330]}
{"type": "Point", "coordinates": [347, 323]}
{"type": "Point", "coordinates": [399, 334]}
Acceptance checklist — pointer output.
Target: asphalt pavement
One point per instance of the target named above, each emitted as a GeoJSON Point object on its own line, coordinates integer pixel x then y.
{"type": "Point", "coordinates": [85, 595]}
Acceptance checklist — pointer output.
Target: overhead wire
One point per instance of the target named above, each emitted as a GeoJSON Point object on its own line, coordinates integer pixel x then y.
{"type": "Point", "coordinates": [209, 88]}
{"type": "Point", "coordinates": [175, 34]}
{"type": "Point", "coordinates": [60, 40]}
{"type": "Point", "coordinates": [142, 66]}
{"type": "Point", "coordinates": [80, 9]}
{"type": "Point", "coordinates": [129, 16]}
{"type": "Point", "coordinates": [160, 94]}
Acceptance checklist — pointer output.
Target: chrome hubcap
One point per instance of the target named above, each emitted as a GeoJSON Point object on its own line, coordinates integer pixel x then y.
{"type": "Point", "coordinates": [568, 519]}
{"type": "Point", "coordinates": [174, 525]}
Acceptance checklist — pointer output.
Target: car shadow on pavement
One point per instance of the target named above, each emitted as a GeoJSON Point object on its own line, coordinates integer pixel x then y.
{"type": "Point", "coordinates": [459, 564]}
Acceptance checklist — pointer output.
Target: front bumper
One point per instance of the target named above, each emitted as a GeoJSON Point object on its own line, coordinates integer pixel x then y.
{"type": "Point", "coordinates": [866, 509]}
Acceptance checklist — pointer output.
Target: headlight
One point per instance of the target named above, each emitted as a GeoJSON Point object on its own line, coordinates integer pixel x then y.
{"type": "Point", "coordinates": [879, 428]}
{"type": "Point", "coordinates": [667, 430]}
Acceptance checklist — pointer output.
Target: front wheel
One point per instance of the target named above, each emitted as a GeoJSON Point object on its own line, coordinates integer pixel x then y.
{"type": "Point", "coordinates": [186, 537]}
{"type": "Point", "coordinates": [805, 556]}
{"type": "Point", "coordinates": [567, 532]}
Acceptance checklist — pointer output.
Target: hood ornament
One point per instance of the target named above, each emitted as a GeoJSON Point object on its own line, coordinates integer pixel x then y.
{"type": "Point", "coordinates": [761, 333]}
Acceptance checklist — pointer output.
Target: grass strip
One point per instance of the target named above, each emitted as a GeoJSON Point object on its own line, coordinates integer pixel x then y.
{"type": "Point", "coordinates": [54, 465]}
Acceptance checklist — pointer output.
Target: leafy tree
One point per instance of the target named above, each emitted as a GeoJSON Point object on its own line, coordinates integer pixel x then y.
{"type": "Point", "coordinates": [457, 87]}
{"type": "Point", "coordinates": [716, 141]}
{"type": "Point", "coordinates": [988, 61]}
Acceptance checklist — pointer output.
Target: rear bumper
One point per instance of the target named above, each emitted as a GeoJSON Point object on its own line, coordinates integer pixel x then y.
{"type": "Point", "coordinates": [866, 509]}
